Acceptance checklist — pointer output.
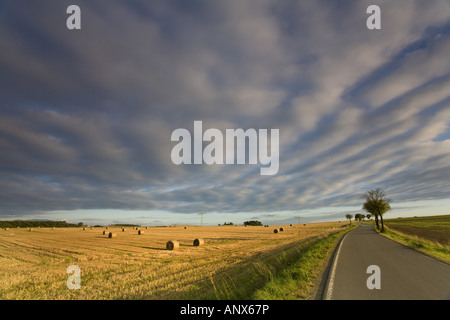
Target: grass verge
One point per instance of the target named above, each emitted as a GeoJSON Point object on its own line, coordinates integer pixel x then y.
{"type": "Point", "coordinates": [296, 281]}
{"type": "Point", "coordinates": [290, 272]}
{"type": "Point", "coordinates": [431, 248]}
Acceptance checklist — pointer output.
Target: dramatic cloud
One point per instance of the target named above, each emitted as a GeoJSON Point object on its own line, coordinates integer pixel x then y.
{"type": "Point", "coordinates": [86, 115]}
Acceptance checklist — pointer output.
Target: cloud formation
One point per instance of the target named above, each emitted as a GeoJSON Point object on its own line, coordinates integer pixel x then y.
{"type": "Point", "coordinates": [86, 116]}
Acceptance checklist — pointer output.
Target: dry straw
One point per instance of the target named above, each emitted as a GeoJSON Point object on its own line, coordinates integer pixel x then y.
{"type": "Point", "coordinates": [112, 235]}
{"type": "Point", "coordinates": [198, 242]}
{"type": "Point", "coordinates": [140, 232]}
{"type": "Point", "coordinates": [275, 230]}
{"type": "Point", "coordinates": [172, 245]}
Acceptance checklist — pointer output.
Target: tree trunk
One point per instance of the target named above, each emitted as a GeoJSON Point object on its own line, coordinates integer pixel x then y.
{"type": "Point", "coordinates": [376, 221]}
{"type": "Point", "coordinates": [382, 223]}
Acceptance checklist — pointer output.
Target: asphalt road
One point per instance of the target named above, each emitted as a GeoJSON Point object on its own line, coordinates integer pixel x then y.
{"type": "Point", "coordinates": [404, 274]}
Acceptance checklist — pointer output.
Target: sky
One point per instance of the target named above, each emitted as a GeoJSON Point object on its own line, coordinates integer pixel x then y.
{"type": "Point", "coordinates": [86, 116]}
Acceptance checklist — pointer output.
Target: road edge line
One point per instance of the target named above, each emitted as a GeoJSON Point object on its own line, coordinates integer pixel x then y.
{"type": "Point", "coordinates": [330, 281]}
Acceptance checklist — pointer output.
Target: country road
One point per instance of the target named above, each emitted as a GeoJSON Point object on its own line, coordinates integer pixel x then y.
{"type": "Point", "coordinates": [403, 272]}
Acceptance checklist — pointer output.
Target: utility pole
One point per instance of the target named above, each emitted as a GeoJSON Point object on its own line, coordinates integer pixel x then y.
{"type": "Point", "coordinates": [202, 217]}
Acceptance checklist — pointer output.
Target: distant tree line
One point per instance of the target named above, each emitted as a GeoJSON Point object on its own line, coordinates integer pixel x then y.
{"type": "Point", "coordinates": [358, 217]}
{"type": "Point", "coordinates": [227, 224]}
{"type": "Point", "coordinates": [253, 223]}
{"type": "Point", "coordinates": [36, 224]}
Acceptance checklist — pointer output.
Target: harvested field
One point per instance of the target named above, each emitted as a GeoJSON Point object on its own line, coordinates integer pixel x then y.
{"type": "Point", "coordinates": [131, 266]}
{"type": "Point", "coordinates": [434, 228]}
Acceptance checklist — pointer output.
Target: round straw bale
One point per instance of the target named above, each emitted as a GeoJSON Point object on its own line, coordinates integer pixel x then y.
{"type": "Point", "coordinates": [30, 229]}
{"type": "Point", "coordinates": [123, 229]}
{"type": "Point", "coordinates": [275, 230]}
{"type": "Point", "coordinates": [172, 245]}
{"type": "Point", "coordinates": [112, 235]}
{"type": "Point", "coordinates": [281, 229]}
{"type": "Point", "coordinates": [84, 229]}
{"type": "Point", "coordinates": [104, 232]}
{"type": "Point", "coordinates": [198, 242]}
{"type": "Point", "coordinates": [140, 232]}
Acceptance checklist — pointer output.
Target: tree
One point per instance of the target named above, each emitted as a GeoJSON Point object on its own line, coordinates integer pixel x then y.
{"type": "Point", "coordinates": [349, 217]}
{"type": "Point", "coordinates": [35, 224]}
{"type": "Point", "coordinates": [377, 204]}
{"type": "Point", "coordinates": [253, 223]}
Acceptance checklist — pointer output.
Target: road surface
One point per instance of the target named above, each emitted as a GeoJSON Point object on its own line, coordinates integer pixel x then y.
{"type": "Point", "coordinates": [404, 274]}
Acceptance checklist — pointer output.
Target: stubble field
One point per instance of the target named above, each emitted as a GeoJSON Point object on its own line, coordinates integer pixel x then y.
{"type": "Point", "coordinates": [234, 261]}
{"type": "Point", "coordinates": [433, 228]}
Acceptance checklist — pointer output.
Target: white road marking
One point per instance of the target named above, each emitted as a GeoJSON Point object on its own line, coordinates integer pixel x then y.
{"type": "Point", "coordinates": [333, 271]}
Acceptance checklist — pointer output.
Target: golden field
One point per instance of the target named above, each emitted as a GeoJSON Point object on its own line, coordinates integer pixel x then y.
{"type": "Point", "coordinates": [130, 266]}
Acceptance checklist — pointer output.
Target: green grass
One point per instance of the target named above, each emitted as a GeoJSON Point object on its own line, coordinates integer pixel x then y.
{"type": "Point", "coordinates": [431, 248]}
{"type": "Point", "coordinates": [429, 235]}
{"type": "Point", "coordinates": [296, 280]}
